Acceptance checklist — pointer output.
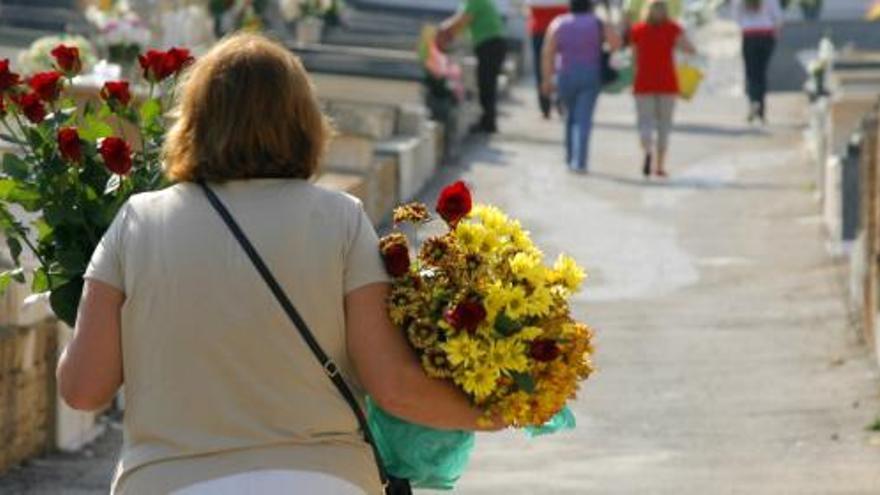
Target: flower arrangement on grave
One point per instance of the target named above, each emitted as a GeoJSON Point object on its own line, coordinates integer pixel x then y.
{"type": "Point", "coordinates": [482, 309]}
{"type": "Point", "coordinates": [121, 32]}
{"type": "Point", "coordinates": [74, 167]}
{"type": "Point", "coordinates": [38, 56]}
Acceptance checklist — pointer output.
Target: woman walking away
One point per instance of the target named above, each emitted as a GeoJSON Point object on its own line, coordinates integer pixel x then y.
{"type": "Point", "coordinates": [487, 34]}
{"type": "Point", "coordinates": [656, 83]}
{"type": "Point", "coordinates": [222, 393]}
{"type": "Point", "coordinates": [761, 22]}
{"type": "Point", "coordinates": [572, 64]}
{"type": "Point", "coordinates": [541, 13]}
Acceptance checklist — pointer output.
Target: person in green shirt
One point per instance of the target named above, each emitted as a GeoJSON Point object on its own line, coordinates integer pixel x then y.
{"type": "Point", "coordinates": [482, 19]}
{"type": "Point", "coordinates": [635, 9]}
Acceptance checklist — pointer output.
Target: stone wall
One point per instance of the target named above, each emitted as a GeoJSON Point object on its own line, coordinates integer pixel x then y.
{"type": "Point", "coordinates": [27, 391]}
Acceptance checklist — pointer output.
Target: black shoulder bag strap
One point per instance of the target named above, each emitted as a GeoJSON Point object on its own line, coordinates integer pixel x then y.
{"type": "Point", "coordinates": [324, 360]}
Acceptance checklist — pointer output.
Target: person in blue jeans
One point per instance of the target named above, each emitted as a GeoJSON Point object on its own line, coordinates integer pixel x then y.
{"type": "Point", "coordinates": [572, 67]}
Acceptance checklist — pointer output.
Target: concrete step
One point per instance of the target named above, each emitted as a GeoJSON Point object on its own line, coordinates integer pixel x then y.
{"type": "Point", "coordinates": [363, 119]}
{"type": "Point", "coordinates": [350, 154]}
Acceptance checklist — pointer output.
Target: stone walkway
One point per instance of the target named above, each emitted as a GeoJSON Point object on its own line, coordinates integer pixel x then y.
{"type": "Point", "coordinates": [728, 363]}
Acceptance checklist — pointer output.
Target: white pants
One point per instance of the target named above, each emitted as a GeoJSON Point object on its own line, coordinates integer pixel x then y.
{"type": "Point", "coordinates": [271, 482]}
{"type": "Point", "coordinates": [655, 113]}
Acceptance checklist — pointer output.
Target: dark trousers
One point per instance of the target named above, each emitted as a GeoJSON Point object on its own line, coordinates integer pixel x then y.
{"type": "Point", "coordinates": [490, 59]}
{"type": "Point", "coordinates": [757, 51]}
{"type": "Point", "coordinates": [537, 49]}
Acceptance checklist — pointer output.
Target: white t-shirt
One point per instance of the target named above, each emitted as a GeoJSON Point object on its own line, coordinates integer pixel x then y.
{"type": "Point", "coordinates": [768, 17]}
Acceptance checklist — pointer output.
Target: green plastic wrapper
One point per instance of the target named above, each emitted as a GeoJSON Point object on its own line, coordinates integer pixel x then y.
{"type": "Point", "coordinates": [430, 458]}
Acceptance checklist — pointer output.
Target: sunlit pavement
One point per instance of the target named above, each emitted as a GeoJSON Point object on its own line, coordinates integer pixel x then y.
{"type": "Point", "coordinates": [727, 360]}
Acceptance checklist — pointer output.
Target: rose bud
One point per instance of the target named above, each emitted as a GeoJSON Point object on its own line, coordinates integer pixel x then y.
{"type": "Point", "coordinates": [47, 85]}
{"type": "Point", "coordinates": [116, 154]}
{"type": "Point", "coordinates": [8, 79]}
{"type": "Point", "coordinates": [544, 350]}
{"type": "Point", "coordinates": [69, 144]}
{"type": "Point", "coordinates": [116, 93]}
{"type": "Point", "coordinates": [466, 316]}
{"type": "Point", "coordinates": [31, 107]}
{"type": "Point", "coordinates": [454, 202]}
{"type": "Point", "coordinates": [67, 58]}
{"type": "Point", "coordinates": [177, 59]}
{"type": "Point", "coordinates": [154, 65]}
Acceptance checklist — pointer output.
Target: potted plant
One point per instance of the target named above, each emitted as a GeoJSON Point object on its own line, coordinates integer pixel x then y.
{"type": "Point", "coordinates": [73, 168]}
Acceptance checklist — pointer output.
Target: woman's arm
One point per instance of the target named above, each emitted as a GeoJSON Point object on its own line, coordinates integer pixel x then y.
{"type": "Point", "coordinates": [612, 37]}
{"type": "Point", "coordinates": [685, 44]}
{"type": "Point", "coordinates": [391, 372]}
{"type": "Point", "coordinates": [90, 369]}
{"type": "Point", "coordinates": [548, 60]}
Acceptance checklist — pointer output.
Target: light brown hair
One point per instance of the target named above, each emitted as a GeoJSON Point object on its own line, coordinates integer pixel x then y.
{"type": "Point", "coordinates": [246, 109]}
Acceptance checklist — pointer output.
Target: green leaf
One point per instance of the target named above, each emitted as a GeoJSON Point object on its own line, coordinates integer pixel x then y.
{"type": "Point", "coordinates": [15, 167]}
{"type": "Point", "coordinates": [151, 110]}
{"type": "Point", "coordinates": [6, 186]}
{"type": "Point", "coordinates": [94, 128]}
{"type": "Point", "coordinates": [13, 139]}
{"type": "Point", "coordinates": [44, 230]}
{"type": "Point", "coordinates": [14, 249]}
{"type": "Point", "coordinates": [525, 382]}
{"type": "Point", "coordinates": [506, 325]}
{"type": "Point", "coordinates": [25, 195]}
{"type": "Point", "coordinates": [7, 277]}
{"type": "Point", "coordinates": [40, 282]}
{"type": "Point", "coordinates": [65, 300]}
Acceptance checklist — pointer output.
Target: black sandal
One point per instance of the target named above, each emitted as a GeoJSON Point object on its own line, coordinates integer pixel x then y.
{"type": "Point", "coordinates": [646, 168]}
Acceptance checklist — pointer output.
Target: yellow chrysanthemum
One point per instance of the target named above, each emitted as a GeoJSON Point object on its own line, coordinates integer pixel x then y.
{"type": "Point", "coordinates": [479, 381]}
{"type": "Point", "coordinates": [463, 350]}
{"type": "Point", "coordinates": [527, 266]}
{"type": "Point", "coordinates": [493, 218]}
{"type": "Point", "coordinates": [568, 273]}
{"type": "Point", "coordinates": [471, 236]}
{"type": "Point", "coordinates": [539, 302]}
{"type": "Point", "coordinates": [508, 355]}
{"type": "Point", "coordinates": [495, 300]}
{"type": "Point", "coordinates": [528, 334]}
{"type": "Point", "coordinates": [516, 302]}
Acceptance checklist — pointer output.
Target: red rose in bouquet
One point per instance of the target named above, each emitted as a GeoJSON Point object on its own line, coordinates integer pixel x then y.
{"type": "Point", "coordinates": [158, 65]}
{"type": "Point", "coordinates": [454, 202]}
{"type": "Point", "coordinates": [67, 58]}
{"type": "Point", "coordinates": [8, 79]}
{"type": "Point", "coordinates": [116, 154]}
{"type": "Point", "coordinates": [467, 316]}
{"type": "Point", "coordinates": [116, 93]}
{"type": "Point", "coordinates": [31, 106]}
{"type": "Point", "coordinates": [544, 350]}
{"type": "Point", "coordinates": [395, 254]}
{"type": "Point", "coordinates": [69, 144]}
{"type": "Point", "coordinates": [47, 85]}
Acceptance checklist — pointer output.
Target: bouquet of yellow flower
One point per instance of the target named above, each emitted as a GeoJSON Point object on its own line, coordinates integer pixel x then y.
{"type": "Point", "coordinates": [482, 309]}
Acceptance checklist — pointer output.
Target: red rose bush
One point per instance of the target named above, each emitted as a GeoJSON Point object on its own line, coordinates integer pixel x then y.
{"type": "Point", "coordinates": [73, 168]}
{"type": "Point", "coordinates": [481, 309]}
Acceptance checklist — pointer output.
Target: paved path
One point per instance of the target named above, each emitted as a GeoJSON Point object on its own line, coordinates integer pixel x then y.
{"type": "Point", "coordinates": [727, 361]}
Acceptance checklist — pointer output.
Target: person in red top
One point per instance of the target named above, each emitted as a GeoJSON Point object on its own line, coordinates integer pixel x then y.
{"type": "Point", "coordinates": [656, 82]}
{"type": "Point", "coordinates": [540, 15]}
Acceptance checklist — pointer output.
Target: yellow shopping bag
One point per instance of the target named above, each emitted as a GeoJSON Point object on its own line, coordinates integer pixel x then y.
{"type": "Point", "coordinates": [689, 79]}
